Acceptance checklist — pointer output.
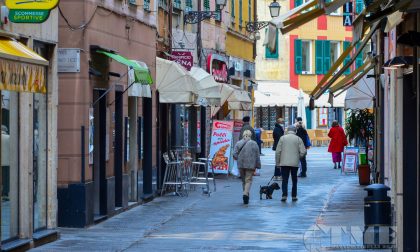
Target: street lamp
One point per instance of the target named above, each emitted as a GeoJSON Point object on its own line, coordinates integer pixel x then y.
{"type": "Point", "coordinates": [254, 27]}
{"type": "Point", "coordinates": [274, 9]}
{"type": "Point", "coordinates": [194, 17]}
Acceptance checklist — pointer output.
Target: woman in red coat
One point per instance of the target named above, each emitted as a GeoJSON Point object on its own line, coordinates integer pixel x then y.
{"type": "Point", "coordinates": [338, 141]}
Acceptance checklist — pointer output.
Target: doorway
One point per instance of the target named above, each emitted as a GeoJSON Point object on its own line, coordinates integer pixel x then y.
{"type": "Point", "coordinates": [99, 154]}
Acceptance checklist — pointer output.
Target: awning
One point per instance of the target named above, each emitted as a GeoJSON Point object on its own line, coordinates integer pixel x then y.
{"type": "Point", "coordinates": [393, 20]}
{"type": "Point", "coordinates": [367, 65]}
{"type": "Point", "coordinates": [360, 95]}
{"type": "Point", "coordinates": [237, 98]}
{"type": "Point", "coordinates": [323, 85]}
{"type": "Point", "coordinates": [137, 89]}
{"type": "Point", "coordinates": [142, 74]}
{"type": "Point", "coordinates": [207, 89]}
{"type": "Point", "coordinates": [22, 69]}
{"type": "Point", "coordinates": [174, 83]}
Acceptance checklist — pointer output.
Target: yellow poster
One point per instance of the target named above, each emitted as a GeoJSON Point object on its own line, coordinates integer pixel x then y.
{"type": "Point", "coordinates": [22, 77]}
{"type": "Point", "coordinates": [32, 4]}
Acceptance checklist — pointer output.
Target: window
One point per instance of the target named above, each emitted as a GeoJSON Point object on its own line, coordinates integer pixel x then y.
{"type": "Point", "coordinates": [300, 2]}
{"type": "Point", "coordinates": [303, 58]}
{"type": "Point", "coordinates": [359, 6]}
{"type": "Point", "coordinates": [334, 52]}
{"type": "Point", "coordinates": [188, 5]}
{"type": "Point", "coordinates": [146, 5]}
{"type": "Point", "coordinates": [232, 10]}
{"type": "Point", "coordinates": [346, 44]}
{"type": "Point", "coordinates": [218, 16]}
{"type": "Point", "coordinates": [249, 10]}
{"type": "Point", "coordinates": [268, 53]}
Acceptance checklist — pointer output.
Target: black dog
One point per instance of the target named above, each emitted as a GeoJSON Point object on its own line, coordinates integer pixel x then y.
{"type": "Point", "coordinates": [268, 190]}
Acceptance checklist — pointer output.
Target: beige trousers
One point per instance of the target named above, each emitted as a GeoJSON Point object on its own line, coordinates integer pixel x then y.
{"type": "Point", "coordinates": [246, 176]}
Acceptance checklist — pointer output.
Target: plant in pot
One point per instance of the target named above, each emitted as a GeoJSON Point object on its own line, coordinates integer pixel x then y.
{"type": "Point", "coordinates": [360, 129]}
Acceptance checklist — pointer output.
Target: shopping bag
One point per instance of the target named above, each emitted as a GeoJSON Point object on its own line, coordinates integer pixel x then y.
{"type": "Point", "coordinates": [235, 170]}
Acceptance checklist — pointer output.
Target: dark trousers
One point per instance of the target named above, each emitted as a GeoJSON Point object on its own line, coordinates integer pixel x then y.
{"type": "Point", "coordinates": [286, 170]}
{"type": "Point", "coordinates": [303, 165]}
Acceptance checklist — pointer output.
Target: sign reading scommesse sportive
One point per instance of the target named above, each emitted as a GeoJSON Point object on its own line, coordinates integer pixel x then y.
{"type": "Point", "coordinates": [30, 11]}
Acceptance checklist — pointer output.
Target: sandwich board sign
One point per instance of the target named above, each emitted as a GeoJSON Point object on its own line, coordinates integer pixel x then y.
{"type": "Point", "coordinates": [30, 11]}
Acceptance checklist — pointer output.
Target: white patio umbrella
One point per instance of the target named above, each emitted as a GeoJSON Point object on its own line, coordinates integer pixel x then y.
{"type": "Point", "coordinates": [207, 89]}
{"type": "Point", "coordinates": [360, 96]}
{"type": "Point", "coordinates": [301, 112]}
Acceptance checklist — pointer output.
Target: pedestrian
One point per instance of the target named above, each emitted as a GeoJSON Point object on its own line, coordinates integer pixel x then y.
{"type": "Point", "coordinates": [337, 143]}
{"type": "Point", "coordinates": [246, 126]}
{"type": "Point", "coordinates": [277, 133]}
{"type": "Point", "coordinates": [288, 153]}
{"type": "Point", "coordinates": [258, 132]}
{"type": "Point", "coordinates": [247, 154]}
{"type": "Point", "coordinates": [303, 134]}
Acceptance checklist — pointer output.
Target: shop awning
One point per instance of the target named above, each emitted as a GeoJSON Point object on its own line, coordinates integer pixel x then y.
{"type": "Point", "coordinates": [174, 83]}
{"type": "Point", "coordinates": [367, 65]}
{"type": "Point", "coordinates": [136, 88]}
{"type": "Point", "coordinates": [360, 95]}
{"type": "Point", "coordinates": [142, 74]}
{"type": "Point", "coordinates": [237, 98]}
{"type": "Point", "coordinates": [325, 83]}
{"type": "Point", "coordinates": [207, 89]}
{"type": "Point", "coordinates": [22, 69]}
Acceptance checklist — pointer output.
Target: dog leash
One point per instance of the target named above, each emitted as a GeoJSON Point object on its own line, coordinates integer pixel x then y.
{"type": "Point", "coordinates": [270, 180]}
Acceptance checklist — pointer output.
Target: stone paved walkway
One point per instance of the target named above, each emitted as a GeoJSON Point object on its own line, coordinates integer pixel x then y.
{"type": "Point", "coordinates": [327, 199]}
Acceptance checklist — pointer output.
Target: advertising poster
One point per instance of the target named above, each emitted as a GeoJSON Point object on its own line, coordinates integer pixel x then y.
{"type": "Point", "coordinates": [350, 159]}
{"type": "Point", "coordinates": [220, 146]}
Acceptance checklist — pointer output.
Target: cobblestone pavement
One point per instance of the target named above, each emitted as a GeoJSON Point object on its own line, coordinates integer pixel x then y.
{"type": "Point", "coordinates": [328, 200]}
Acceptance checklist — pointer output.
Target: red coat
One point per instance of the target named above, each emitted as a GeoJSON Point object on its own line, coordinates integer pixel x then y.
{"type": "Point", "coordinates": [338, 139]}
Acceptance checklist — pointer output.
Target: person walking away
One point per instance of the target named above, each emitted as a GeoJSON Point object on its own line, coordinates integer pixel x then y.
{"type": "Point", "coordinates": [337, 143]}
{"type": "Point", "coordinates": [303, 134]}
{"type": "Point", "coordinates": [277, 133]}
{"type": "Point", "coordinates": [246, 126]}
{"type": "Point", "coordinates": [247, 154]}
{"type": "Point", "coordinates": [289, 151]}
{"type": "Point", "coordinates": [258, 132]}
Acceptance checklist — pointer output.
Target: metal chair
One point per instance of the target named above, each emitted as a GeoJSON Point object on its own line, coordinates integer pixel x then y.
{"type": "Point", "coordinates": [172, 178]}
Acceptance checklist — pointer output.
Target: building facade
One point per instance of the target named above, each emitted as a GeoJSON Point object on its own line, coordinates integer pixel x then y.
{"type": "Point", "coordinates": [29, 133]}
{"type": "Point", "coordinates": [107, 152]}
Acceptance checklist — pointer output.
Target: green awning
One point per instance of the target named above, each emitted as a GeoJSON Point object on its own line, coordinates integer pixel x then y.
{"type": "Point", "coordinates": [141, 74]}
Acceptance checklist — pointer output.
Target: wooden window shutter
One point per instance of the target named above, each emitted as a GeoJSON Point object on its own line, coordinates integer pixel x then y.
{"type": "Point", "coordinates": [327, 56]}
{"type": "Point", "coordinates": [346, 44]}
{"type": "Point", "coordinates": [319, 57]}
{"type": "Point", "coordinates": [298, 56]}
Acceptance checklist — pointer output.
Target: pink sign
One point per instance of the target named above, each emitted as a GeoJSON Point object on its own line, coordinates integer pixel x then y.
{"type": "Point", "coordinates": [221, 138]}
{"type": "Point", "coordinates": [184, 58]}
{"type": "Point", "coordinates": [217, 67]}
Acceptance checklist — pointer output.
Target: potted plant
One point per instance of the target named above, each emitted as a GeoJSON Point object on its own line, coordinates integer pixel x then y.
{"type": "Point", "coordinates": [360, 129]}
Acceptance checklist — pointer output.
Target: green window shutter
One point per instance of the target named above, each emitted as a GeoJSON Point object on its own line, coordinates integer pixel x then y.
{"type": "Point", "coordinates": [359, 57]}
{"type": "Point", "coordinates": [240, 12]}
{"type": "Point", "coordinates": [359, 6]}
{"type": "Point", "coordinates": [206, 5]}
{"type": "Point", "coordinates": [319, 57]}
{"type": "Point", "coordinates": [298, 3]}
{"type": "Point", "coordinates": [298, 56]}
{"type": "Point", "coordinates": [249, 10]}
{"type": "Point", "coordinates": [346, 44]}
{"type": "Point", "coordinates": [274, 55]}
{"type": "Point", "coordinates": [232, 8]}
{"type": "Point", "coordinates": [327, 56]}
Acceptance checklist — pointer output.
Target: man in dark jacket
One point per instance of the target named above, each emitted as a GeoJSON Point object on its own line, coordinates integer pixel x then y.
{"type": "Point", "coordinates": [277, 133]}
{"type": "Point", "coordinates": [303, 134]}
{"type": "Point", "coordinates": [246, 126]}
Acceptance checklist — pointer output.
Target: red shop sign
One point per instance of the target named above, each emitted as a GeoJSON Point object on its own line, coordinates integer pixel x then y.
{"type": "Point", "coordinates": [184, 58]}
{"type": "Point", "coordinates": [217, 67]}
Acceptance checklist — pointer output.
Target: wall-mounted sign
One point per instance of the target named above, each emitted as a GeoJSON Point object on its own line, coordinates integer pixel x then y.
{"type": "Point", "coordinates": [348, 14]}
{"type": "Point", "coordinates": [68, 60]}
{"type": "Point", "coordinates": [217, 67]}
{"type": "Point", "coordinates": [32, 4]}
{"type": "Point", "coordinates": [30, 11]}
{"type": "Point", "coordinates": [184, 58]}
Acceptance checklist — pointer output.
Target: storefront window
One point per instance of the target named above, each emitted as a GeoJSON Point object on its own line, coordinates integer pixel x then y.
{"type": "Point", "coordinates": [9, 164]}
{"type": "Point", "coordinates": [40, 130]}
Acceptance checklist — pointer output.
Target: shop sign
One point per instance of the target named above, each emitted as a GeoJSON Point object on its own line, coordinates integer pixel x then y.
{"type": "Point", "coordinates": [30, 11]}
{"type": "Point", "coordinates": [68, 60]}
{"type": "Point", "coordinates": [217, 67]}
{"type": "Point", "coordinates": [348, 14]}
{"type": "Point", "coordinates": [184, 58]}
{"type": "Point", "coordinates": [220, 146]}
{"type": "Point", "coordinates": [22, 77]}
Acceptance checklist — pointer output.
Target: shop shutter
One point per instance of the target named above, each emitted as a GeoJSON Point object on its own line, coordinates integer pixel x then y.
{"type": "Point", "coordinates": [298, 3]}
{"type": "Point", "coordinates": [298, 56]}
{"type": "Point", "coordinates": [319, 56]}
{"type": "Point", "coordinates": [346, 44]}
{"type": "Point", "coordinates": [359, 6]}
{"type": "Point", "coordinates": [327, 55]}
{"type": "Point", "coordinates": [268, 54]}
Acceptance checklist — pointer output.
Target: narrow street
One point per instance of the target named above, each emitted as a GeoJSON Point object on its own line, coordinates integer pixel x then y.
{"type": "Point", "coordinates": [222, 223]}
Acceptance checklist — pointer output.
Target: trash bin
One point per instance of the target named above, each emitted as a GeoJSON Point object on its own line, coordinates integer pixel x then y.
{"type": "Point", "coordinates": [377, 205]}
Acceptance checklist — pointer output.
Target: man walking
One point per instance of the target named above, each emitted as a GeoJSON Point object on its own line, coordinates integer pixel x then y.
{"type": "Point", "coordinates": [277, 133]}
{"type": "Point", "coordinates": [288, 153]}
{"type": "Point", "coordinates": [246, 126]}
{"type": "Point", "coordinates": [303, 134]}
